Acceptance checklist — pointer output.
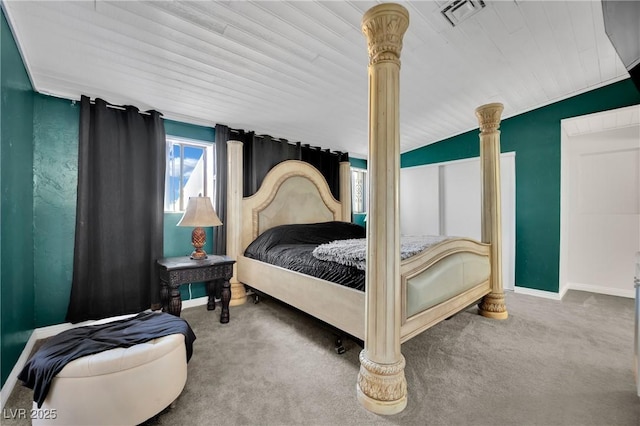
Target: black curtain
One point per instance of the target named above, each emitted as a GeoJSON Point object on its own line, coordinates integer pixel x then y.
{"type": "Point", "coordinates": [328, 163]}
{"type": "Point", "coordinates": [220, 203]}
{"type": "Point", "coordinates": [261, 153]}
{"type": "Point", "coordinates": [119, 214]}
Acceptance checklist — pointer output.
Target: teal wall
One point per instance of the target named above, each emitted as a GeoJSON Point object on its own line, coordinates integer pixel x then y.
{"type": "Point", "coordinates": [55, 134]}
{"type": "Point", "coordinates": [16, 212]}
{"type": "Point", "coordinates": [535, 138]}
{"type": "Point", "coordinates": [358, 162]}
{"type": "Point", "coordinates": [359, 218]}
{"type": "Point", "coordinates": [190, 131]}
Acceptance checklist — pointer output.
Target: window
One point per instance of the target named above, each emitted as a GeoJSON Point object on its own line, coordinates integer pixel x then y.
{"type": "Point", "coordinates": [358, 190]}
{"type": "Point", "coordinates": [190, 172]}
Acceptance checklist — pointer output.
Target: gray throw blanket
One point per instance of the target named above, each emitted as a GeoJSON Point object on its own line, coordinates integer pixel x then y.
{"type": "Point", "coordinates": [353, 252]}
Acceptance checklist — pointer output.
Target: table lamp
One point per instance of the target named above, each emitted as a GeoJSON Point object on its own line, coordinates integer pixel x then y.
{"type": "Point", "coordinates": [199, 213]}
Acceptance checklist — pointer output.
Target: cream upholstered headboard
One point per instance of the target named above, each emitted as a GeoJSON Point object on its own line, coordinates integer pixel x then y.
{"type": "Point", "coordinates": [292, 192]}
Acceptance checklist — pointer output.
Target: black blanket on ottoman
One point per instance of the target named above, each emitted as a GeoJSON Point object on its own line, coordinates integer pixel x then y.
{"type": "Point", "coordinates": [63, 348]}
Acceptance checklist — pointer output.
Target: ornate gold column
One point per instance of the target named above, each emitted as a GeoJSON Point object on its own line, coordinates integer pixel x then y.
{"type": "Point", "coordinates": [234, 216]}
{"type": "Point", "coordinates": [492, 305]}
{"type": "Point", "coordinates": [345, 190]}
{"type": "Point", "coordinates": [382, 387]}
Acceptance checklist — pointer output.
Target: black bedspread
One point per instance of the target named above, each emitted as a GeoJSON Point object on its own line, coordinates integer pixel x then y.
{"type": "Point", "coordinates": [63, 348]}
{"type": "Point", "coordinates": [291, 247]}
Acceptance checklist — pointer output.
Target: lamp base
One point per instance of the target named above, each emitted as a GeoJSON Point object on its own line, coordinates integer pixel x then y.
{"type": "Point", "coordinates": [199, 255]}
{"type": "Point", "coordinates": [198, 238]}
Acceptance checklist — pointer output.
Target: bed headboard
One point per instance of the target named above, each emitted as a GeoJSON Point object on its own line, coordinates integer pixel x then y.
{"type": "Point", "coordinates": [292, 192]}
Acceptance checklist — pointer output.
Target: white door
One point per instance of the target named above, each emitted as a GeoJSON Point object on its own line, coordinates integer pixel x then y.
{"type": "Point", "coordinates": [601, 202]}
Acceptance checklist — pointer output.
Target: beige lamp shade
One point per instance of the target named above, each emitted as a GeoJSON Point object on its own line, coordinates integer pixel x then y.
{"type": "Point", "coordinates": [200, 212]}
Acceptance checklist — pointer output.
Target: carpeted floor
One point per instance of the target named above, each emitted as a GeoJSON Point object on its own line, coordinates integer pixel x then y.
{"type": "Point", "coordinates": [550, 363]}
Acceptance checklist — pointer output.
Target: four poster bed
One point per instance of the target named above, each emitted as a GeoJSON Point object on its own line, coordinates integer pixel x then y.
{"type": "Point", "coordinates": [401, 299]}
{"type": "Point", "coordinates": [435, 283]}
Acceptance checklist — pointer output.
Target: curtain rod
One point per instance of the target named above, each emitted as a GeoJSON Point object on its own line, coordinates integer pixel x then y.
{"type": "Point", "coordinates": [306, 145]}
{"type": "Point", "coordinates": [113, 106]}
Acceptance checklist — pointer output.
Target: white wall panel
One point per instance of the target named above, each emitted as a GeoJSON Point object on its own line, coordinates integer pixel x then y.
{"type": "Point", "coordinates": [608, 182]}
{"type": "Point", "coordinates": [419, 206]}
{"type": "Point", "coordinates": [462, 199]}
{"type": "Point", "coordinates": [446, 196]}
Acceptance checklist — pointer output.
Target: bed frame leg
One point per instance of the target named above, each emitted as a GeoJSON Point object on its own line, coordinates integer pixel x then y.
{"type": "Point", "coordinates": [339, 347]}
{"type": "Point", "coordinates": [253, 294]}
{"type": "Point", "coordinates": [493, 306]}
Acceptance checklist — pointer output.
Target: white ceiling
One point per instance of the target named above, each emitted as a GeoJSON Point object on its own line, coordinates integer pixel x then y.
{"type": "Point", "coordinates": [298, 70]}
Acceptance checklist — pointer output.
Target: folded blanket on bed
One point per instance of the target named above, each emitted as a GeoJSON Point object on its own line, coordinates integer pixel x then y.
{"type": "Point", "coordinates": [63, 348]}
{"type": "Point", "coordinates": [353, 252]}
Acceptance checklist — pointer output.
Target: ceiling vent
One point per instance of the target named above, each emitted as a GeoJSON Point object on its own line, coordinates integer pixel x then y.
{"type": "Point", "coordinates": [457, 11]}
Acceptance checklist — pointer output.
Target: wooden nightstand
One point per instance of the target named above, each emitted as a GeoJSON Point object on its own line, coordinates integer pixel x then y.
{"type": "Point", "coordinates": [175, 271]}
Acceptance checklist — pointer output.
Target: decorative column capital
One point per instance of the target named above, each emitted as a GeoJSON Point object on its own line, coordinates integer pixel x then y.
{"type": "Point", "coordinates": [384, 26]}
{"type": "Point", "coordinates": [489, 117]}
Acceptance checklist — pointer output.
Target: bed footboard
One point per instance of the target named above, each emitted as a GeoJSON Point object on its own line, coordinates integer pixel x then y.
{"type": "Point", "coordinates": [440, 282]}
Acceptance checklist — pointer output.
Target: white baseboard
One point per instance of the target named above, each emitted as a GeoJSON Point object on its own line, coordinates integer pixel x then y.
{"type": "Point", "coordinates": [538, 293]}
{"type": "Point", "coordinates": [620, 292]}
{"type": "Point", "coordinates": [629, 293]}
{"type": "Point", "coordinates": [52, 330]}
{"type": "Point", "coordinates": [195, 302]}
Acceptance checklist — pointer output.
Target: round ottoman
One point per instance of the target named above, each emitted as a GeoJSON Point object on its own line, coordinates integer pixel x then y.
{"type": "Point", "coordinates": [121, 386]}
